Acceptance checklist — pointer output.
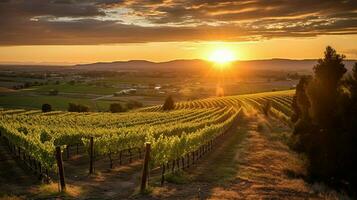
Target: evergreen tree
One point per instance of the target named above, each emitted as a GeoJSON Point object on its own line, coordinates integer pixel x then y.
{"type": "Point", "coordinates": [116, 107]}
{"type": "Point", "coordinates": [325, 117]}
{"type": "Point", "coordinates": [169, 104]}
{"type": "Point", "coordinates": [46, 107]}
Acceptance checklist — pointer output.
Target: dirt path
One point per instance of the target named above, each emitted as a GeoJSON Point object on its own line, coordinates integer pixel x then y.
{"type": "Point", "coordinates": [117, 183]}
{"type": "Point", "coordinates": [253, 163]}
{"type": "Point", "coordinates": [265, 166]}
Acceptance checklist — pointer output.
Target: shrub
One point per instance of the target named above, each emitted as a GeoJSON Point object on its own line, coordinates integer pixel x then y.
{"type": "Point", "coordinates": [53, 92]}
{"type": "Point", "coordinates": [131, 104]}
{"type": "Point", "coordinates": [46, 107]}
{"type": "Point", "coordinates": [72, 107]}
{"type": "Point", "coordinates": [27, 84]}
{"type": "Point", "coordinates": [169, 104]}
{"type": "Point", "coordinates": [116, 107]}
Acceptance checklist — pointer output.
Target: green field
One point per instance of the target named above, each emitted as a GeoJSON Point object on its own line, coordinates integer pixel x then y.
{"type": "Point", "coordinates": [77, 88]}
{"type": "Point", "coordinates": [57, 102]}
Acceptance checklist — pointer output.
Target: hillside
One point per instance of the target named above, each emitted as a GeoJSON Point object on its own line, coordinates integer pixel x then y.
{"type": "Point", "coordinates": [200, 65]}
{"type": "Point", "coordinates": [194, 65]}
{"type": "Point", "coordinates": [192, 136]}
{"type": "Point", "coordinates": [206, 144]}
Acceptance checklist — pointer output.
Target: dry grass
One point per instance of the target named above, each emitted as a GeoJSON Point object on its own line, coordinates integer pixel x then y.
{"type": "Point", "coordinates": [6, 90]}
{"type": "Point", "coordinates": [256, 165]}
{"type": "Point", "coordinates": [52, 190]}
{"type": "Point", "coordinates": [6, 197]}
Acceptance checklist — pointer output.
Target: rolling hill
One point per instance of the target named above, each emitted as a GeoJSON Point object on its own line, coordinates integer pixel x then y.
{"type": "Point", "coordinates": [198, 65]}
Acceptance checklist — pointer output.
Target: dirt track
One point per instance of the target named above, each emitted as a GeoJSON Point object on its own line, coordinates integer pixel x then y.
{"type": "Point", "coordinates": [254, 163]}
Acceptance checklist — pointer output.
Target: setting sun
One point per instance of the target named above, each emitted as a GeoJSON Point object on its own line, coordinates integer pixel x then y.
{"type": "Point", "coordinates": [222, 56]}
{"type": "Point", "coordinates": [88, 88]}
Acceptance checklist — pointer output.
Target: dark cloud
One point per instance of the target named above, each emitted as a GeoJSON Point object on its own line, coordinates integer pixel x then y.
{"type": "Point", "coordinates": [26, 9]}
{"type": "Point", "coordinates": [27, 22]}
{"type": "Point", "coordinates": [92, 31]}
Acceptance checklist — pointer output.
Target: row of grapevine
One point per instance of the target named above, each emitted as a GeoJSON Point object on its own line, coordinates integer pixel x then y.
{"type": "Point", "coordinates": [38, 134]}
{"type": "Point", "coordinates": [111, 143]}
{"type": "Point", "coordinates": [281, 101]}
{"type": "Point", "coordinates": [172, 134]}
{"type": "Point", "coordinates": [167, 148]}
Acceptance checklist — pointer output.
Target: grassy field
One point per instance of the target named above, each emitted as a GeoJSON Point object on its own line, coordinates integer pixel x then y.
{"type": "Point", "coordinates": [181, 88]}
{"type": "Point", "coordinates": [57, 102]}
{"type": "Point", "coordinates": [34, 97]}
{"type": "Point", "coordinates": [77, 88]}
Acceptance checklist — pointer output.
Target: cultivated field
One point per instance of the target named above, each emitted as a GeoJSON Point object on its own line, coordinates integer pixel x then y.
{"type": "Point", "coordinates": [93, 143]}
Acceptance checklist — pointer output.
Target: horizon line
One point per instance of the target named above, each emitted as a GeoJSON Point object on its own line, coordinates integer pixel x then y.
{"type": "Point", "coordinates": [68, 64]}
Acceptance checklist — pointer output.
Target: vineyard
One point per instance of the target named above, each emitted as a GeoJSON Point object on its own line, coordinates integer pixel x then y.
{"type": "Point", "coordinates": [177, 137]}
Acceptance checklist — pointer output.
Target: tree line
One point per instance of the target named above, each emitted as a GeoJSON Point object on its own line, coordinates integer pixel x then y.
{"type": "Point", "coordinates": [114, 107]}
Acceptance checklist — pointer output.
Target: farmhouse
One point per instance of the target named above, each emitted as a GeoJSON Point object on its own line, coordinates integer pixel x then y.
{"type": "Point", "coordinates": [126, 91]}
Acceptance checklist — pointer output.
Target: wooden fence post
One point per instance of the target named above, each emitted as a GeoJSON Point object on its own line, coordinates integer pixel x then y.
{"type": "Point", "coordinates": [130, 156]}
{"type": "Point", "coordinates": [200, 152]}
{"type": "Point", "coordinates": [173, 166]}
{"type": "Point", "coordinates": [188, 160]}
{"type": "Point", "coordinates": [60, 168]}
{"type": "Point", "coordinates": [24, 157]}
{"type": "Point", "coordinates": [35, 165]}
{"type": "Point", "coordinates": [47, 176]}
{"type": "Point", "coordinates": [110, 160]}
{"type": "Point", "coordinates": [91, 156]}
{"type": "Point", "coordinates": [144, 177]}
{"type": "Point", "coordinates": [29, 160]}
{"type": "Point", "coordinates": [162, 174]}
{"type": "Point", "coordinates": [193, 157]}
{"type": "Point", "coordinates": [67, 151]}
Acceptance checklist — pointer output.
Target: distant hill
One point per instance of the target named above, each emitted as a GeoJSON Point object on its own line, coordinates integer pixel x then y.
{"type": "Point", "coordinates": [194, 65]}
{"type": "Point", "coordinates": [139, 65]}
{"type": "Point", "coordinates": [198, 65]}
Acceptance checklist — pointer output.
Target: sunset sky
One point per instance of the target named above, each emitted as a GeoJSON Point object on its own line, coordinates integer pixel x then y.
{"type": "Point", "coordinates": [70, 31]}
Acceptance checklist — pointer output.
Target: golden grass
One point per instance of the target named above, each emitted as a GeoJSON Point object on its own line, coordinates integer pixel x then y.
{"type": "Point", "coordinates": [3, 89]}
{"type": "Point", "coordinates": [51, 190]}
{"type": "Point", "coordinates": [6, 197]}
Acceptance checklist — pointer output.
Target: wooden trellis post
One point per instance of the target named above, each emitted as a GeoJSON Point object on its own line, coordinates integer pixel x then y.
{"type": "Point", "coordinates": [91, 156]}
{"type": "Point", "coordinates": [145, 173]}
{"type": "Point", "coordinates": [162, 174]}
{"type": "Point", "coordinates": [67, 152]}
{"type": "Point", "coordinates": [60, 168]}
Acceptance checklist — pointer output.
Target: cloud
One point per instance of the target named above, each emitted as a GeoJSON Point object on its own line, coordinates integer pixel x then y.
{"type": "Point", "coordinates": [37, 22]}
{"type": "Point", "coordinates": [352, 52]}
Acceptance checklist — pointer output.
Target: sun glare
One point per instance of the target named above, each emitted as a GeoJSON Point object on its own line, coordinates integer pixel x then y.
{"type": "Point", "coordinates": [222, 56]}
